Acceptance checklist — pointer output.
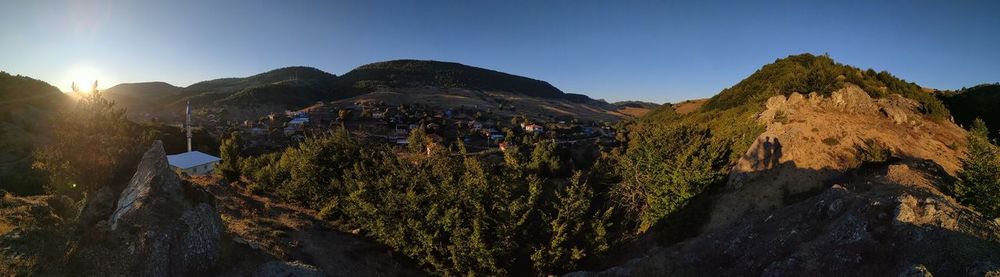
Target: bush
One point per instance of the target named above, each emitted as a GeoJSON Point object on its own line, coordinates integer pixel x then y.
{"type": "Point", "coordinates": [873, 151]}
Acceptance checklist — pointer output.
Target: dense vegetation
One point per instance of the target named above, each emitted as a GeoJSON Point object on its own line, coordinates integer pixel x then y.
{"type": "Point", "coordinates": [453, 214]}
{"type": "Point", "coordinates": [25, 106]}
{"type": "Point", "coordinates": [417, 73]}
{"type": "Point", "coordinates": [636, 104]}
{"type": "Point", "coordinates": [981, 101]}
{"type": "Point", "coordinates": [979, 180]}
{"type": "Point", "coordinates": [95, 133]}
{"type": "Point", "coordinates": [807, 73]}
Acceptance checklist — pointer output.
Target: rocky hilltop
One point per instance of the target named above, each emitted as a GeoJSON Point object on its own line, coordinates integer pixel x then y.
{"type": "Point", "coordinates": [841, 184]}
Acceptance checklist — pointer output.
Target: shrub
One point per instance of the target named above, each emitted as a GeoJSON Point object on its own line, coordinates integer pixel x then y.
{"type": "Point", "coordinates": [871, 150]}
{"type": "Point", "coordinates": [831, 141]}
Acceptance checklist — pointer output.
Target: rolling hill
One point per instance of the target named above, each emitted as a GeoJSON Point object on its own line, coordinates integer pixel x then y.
{"type": "Point", "coordinates": [25, 104]}
{"type": "Point", "coordinates": [297, 87]}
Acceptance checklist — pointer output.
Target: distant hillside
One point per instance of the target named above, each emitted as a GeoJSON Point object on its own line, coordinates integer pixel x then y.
{"type": "Point", "coordinates": [297, 87]}
{"type": "Point", "coordinates": [417, 73]}
{"type": "Point", "coordinates": [25, 104]}
{"type": "Point", "coordinates": [635, 108]}
{"type": "Point", "coordinates": [140, 94]}
{"type": "Point", "coordinates": [636, 104]}
{"type": "Point", "coordinates": [976, 102]}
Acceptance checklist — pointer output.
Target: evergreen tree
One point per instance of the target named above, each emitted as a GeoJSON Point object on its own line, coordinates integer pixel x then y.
{"type": "Point", "coordinates": [229, 167]}
{"type": "Point", "coordinates": [979, 185]}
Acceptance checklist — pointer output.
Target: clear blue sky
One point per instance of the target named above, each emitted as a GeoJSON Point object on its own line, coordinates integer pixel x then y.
{"type": "Point", "coordinates": [617, 50]}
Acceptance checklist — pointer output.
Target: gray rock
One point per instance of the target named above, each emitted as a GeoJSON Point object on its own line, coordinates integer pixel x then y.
{"type": "Point", "coordinates": [162, 225]}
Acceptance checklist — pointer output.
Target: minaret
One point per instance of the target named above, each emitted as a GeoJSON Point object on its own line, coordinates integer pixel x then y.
{"type": "Point", "coordinates": [188, 124]}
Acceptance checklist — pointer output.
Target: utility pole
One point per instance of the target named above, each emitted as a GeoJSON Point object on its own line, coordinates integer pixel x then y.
{"type": "Point", "coordinates": [188, 124]}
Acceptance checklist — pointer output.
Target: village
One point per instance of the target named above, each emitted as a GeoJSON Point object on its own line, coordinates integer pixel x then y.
{"type": "Point", "coordinates": [481, 131]}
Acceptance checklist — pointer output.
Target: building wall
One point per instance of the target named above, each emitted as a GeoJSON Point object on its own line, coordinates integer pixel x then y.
{"type": "Point", "coordinates": [203, 169]}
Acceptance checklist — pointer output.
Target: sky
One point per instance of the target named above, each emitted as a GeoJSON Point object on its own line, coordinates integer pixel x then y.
{"type": "Point", "coordinates": [660, 51]}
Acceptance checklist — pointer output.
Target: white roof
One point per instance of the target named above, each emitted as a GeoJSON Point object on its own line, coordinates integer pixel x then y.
{"type": "Point", "coordinates": [190, 159]}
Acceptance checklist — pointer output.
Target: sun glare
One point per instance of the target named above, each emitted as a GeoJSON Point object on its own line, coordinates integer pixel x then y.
{"type": "Point", "coordinates": [84, 77]}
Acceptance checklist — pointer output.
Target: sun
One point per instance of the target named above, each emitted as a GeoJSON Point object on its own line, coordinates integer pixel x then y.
{"type": "Point", "coordinates": [84, 77]}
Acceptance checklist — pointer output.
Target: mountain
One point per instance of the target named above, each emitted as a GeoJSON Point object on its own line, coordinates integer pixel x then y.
{"type": "Point", "coordinates": [434, 82]}
{"type": "Point", "coordinates": [979, 101]}
{"type": "Point", "coordinates": [420, 73]}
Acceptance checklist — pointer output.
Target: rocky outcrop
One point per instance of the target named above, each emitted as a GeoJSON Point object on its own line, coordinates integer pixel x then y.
{"type": "Point", "coordinates": [810, 140]}
{"type": "Point", "coordinates": [886, 220]}
{"type": "Point", "coordinates": [161, 226]}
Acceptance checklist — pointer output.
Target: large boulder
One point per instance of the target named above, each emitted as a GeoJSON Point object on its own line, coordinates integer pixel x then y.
{"type": "Point", "coordinates": [163, 226]}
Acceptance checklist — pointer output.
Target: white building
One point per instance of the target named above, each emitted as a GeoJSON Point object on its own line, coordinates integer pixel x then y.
{"type": "Point", "coordinates": [193, 163]}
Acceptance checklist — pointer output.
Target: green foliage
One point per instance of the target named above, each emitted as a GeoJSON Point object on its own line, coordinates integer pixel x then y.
{"type": "Point", "coordinates": [455, 215]}
{"type": "Point", "coordinates": [976, 102]}
{"type": "Point", "coordinates": [229, 167]}
{"type": "Point", "coordinates": [94, 133]}
{"type": "Point", "coordinates": [807, 73]}
{"type": "Point", "coordinates": [871, 150]}
{"type": "Point", "coordinates": [575, 231]}
{"type": "Point", "coordinates": [979, 180]}
{"type": "Point", "coordinates": [665, 166]}
{"type": "Point", "coordinates": [26, 105]}
{"type": "Point", "coordinates": [544, 158]}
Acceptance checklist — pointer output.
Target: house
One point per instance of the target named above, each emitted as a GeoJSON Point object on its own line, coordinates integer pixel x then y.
{"type": "Point", "coordinates": [535, 128]}
{"type": "Point", "coordinates": [193, 163]}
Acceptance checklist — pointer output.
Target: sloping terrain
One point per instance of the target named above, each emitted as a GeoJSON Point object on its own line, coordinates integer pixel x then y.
{"type": "Point", "coordinates": [293, 233]}
{"type": "Point", "coordinates": [635, 108]}
{"type": "Point", "coordinates": [419, 73]}
{"type": "Point", "coordinates": [499, 102]}
{"type": "Point", "coordinates": [140, 94]}
{"type": "Point", "coordinates": [884, 219]}
{"type": "Point", "coordinates": [854, 177]}
{"type": "Point", "coordinates": [292, 88]}
{"type": "Point", "coordinates": [25, 104]}
{"type": "Point", "coordinates": [823, 135]}
{"type": "Point", "coordinates": [975, 102]}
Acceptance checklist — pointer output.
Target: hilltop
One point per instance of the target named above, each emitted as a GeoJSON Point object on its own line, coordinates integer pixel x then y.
{"type": "Point", "coordinates": [816, 167]}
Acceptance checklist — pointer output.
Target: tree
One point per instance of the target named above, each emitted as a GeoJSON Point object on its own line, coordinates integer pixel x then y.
{"type": "Point", "coordinates": [229, 167]}
{"type": "Point", "coordinates": [979, 180]}
{"type": "Point", "coordinates": [92, 146]}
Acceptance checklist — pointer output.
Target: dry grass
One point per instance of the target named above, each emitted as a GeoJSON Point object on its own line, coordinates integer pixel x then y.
{"type": "Point", "coordinates": [689, 106]}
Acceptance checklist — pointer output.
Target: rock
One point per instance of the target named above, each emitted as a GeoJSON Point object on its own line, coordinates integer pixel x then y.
{"type": "Point", "coordinates": [852, 99]}
{"type": "Point", "coordinates": [99, 206]}
{"type": "Point", "coordinates": [795, 100]}
{"type": "Point", "coordinates": [279, 268]}
{"type": "Point", "coordinates": [776, 102]}
{"type": "Point", "coordinates": [163, 226]}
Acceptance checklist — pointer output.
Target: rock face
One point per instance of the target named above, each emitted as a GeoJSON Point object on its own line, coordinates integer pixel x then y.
{"type": "Point", "coordinates": [162, 226]}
